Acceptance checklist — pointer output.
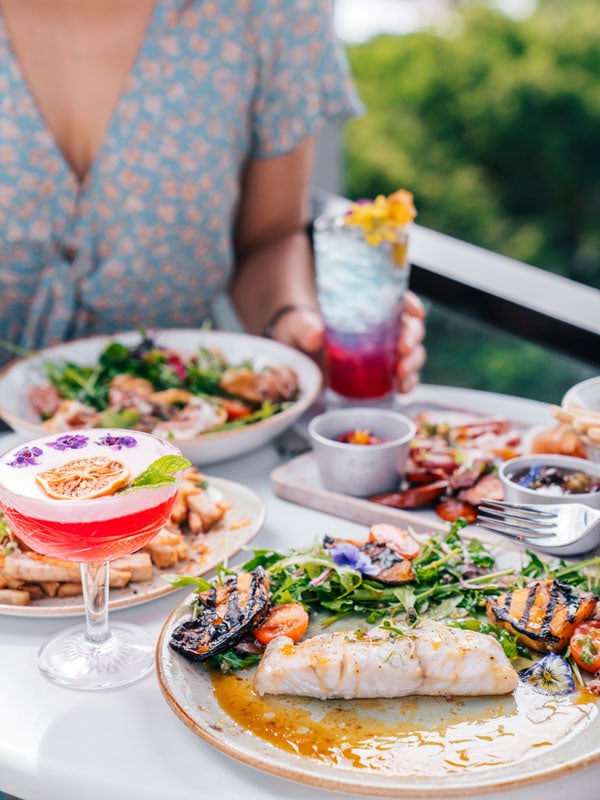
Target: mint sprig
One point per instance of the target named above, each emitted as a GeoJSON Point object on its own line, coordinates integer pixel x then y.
{"type": "Point", "coordinates": [159, 473]}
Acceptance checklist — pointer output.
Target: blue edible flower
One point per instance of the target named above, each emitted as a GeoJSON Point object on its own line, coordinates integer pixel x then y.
{"type": "Point", "coordinates": [550, 675]}
{"type": "Point", "coordinates": [531, 479]}
{"type": "Point", "coordinates": [345, 554]}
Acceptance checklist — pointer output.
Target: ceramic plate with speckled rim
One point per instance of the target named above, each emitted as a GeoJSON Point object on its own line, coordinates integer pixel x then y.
{"type": "Point", "coordinates": [239, 526]}
{"type": "Point", "coordinates": [403, 747]}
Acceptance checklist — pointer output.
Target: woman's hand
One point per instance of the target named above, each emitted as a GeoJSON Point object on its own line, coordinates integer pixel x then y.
{"type": "Point", "coordinates": [303, 328]}
{"type": "Point", "coordinates": [411, 350]}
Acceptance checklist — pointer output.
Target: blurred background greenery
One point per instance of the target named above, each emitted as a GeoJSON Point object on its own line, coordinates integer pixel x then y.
{"type": "Point", "coordinates": [494, 124]}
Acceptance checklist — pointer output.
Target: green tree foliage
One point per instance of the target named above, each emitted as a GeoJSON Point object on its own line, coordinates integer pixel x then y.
{"type": "Point", "coordinates": [495, 126]}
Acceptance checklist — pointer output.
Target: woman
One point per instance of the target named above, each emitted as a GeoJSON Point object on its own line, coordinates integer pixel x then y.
{"type": "Point", "coordinates": [154, 153]}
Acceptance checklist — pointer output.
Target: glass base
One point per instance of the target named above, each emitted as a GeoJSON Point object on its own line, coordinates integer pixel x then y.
{"type": "Point", "coordinates": [335, 400]}
{"type": "Point", "coordinates": [72, 661]}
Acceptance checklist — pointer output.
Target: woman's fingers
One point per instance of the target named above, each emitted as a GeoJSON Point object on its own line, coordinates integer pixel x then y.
{"type": "Point", "coordinates": [412, 353]}
{"type": "Point", "coordinates": [413, 305]}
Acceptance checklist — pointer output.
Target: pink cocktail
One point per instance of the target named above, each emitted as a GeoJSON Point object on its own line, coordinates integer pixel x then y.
{"type": "Point", "coordinates": [91, 530]}
{"type": "Point", "coordinates": [362, 366]}
{"type": "Point", "coordinates": [362, 274]}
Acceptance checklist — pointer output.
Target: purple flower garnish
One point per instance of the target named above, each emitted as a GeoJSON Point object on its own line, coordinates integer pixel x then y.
{"type": "Point", "coordinates": [26, 457]}
{"type": "Point", "coordinates": [552, 674]}
{"type": "Point", "coordinates": [117, 442]}
{"type": "Point", "coordinates": [69, 441]}
{"type": "Point", "coordinates": [345, 554]}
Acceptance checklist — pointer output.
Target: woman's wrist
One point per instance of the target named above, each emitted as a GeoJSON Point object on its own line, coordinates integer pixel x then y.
{"type": "Point", "coordinates": [282, 312]}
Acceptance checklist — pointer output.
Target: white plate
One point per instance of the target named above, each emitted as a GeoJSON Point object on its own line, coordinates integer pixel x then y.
{"type": "Point", "coordinates": [411, 747]}
{"type": "Point", "coordinates": [238, 527]}
{"type": "Point", "coordinates": [17, 378]}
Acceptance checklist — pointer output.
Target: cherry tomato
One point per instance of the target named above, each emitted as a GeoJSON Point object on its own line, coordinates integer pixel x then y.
{"type": "Point", "coordinates": [452, 509]}
{"type": "Point", "coordinates": [585, 645]}
{"type": "Point", "coordinates": [397, 539]}
{"type": "Point", "coordinates": [235, 408]}
{"type": "Point", "coordinates": [287, 619]}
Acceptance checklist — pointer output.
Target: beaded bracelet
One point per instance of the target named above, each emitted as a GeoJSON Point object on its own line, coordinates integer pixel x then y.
{"type": "Point", "coordinates": [281, 312]}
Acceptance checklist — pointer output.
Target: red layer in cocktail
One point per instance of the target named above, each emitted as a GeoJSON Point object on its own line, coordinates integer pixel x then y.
{"type": "Point", "coordinates": [362, 366]}
{"type": "Point", "coordinates": [93, 541]}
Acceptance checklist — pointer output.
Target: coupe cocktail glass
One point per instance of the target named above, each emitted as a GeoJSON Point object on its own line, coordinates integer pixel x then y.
{"type": "Point", "coordinates": [92, 532]}
{"type": "Point", "coordinates": [360, 285]}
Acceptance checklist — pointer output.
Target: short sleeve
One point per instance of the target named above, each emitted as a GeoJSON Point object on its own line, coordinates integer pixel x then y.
{"type": "Point", "coordinates": [304, 77]}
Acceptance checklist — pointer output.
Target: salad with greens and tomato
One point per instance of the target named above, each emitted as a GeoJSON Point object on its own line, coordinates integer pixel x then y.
{"type": "Point", "coordinates": [157, 389]}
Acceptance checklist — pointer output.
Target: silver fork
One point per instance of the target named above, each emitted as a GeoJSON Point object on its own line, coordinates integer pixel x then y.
{"type": "Point", "coordinates": [562, 529]}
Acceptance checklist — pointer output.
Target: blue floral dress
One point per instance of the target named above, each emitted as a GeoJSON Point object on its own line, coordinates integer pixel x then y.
{"type": "Point", "coordinates": [145, 239]}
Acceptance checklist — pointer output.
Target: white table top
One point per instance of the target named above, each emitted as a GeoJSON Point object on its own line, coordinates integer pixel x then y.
{"type": "Point", "coordinates": [57, 744]}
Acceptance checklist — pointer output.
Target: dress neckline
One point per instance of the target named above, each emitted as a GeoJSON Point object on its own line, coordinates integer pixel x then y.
{"type": "Point", "coordinates": [80, 182]}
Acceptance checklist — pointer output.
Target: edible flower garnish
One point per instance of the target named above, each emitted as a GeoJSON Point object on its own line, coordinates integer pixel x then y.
{"type": "Point", "coordinates": [550, 675]}
{"type": "Point", "coordinates": [25, 457]}
{"type": "Point", "coordinates": [345, 554]}
{"type": "Point", "coordinates": [385, 218]}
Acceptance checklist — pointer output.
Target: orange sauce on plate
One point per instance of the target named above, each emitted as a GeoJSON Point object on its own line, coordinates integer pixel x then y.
{"type": "Point", "coordinates": [408, 735]}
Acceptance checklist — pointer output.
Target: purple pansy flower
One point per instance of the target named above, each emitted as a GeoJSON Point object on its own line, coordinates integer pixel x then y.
{"type": "Point", "coordinates": [117, 442]}
{"type": "Point", "coordinates": [345, 554]}
{"type": "Point", "coordinates": [25, 457]}
{"type": "Point", "coordinates": [69, 441]}
{"type": "Point", "coordinates": [552, 674]}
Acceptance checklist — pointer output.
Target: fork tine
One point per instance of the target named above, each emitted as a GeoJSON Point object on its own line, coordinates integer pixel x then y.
{"type": "Point", "coordinates": [508, 527]}
{"type": "Point", "coordinates": [512, 533]}
{"type": "Point", "coordinates": [542, 525]}
{"type": "Point", "coordinates": [504, 505]}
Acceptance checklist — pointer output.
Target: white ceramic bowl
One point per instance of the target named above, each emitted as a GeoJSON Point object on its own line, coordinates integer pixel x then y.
{"type": "Point", "coordinates": [355, 469]}
{"type": "Point", "coordinates": [514, 493]}
{"type": "Point", "coordinates": [18, 377]}
{"type": "Point", "coordinates": [585, 395]}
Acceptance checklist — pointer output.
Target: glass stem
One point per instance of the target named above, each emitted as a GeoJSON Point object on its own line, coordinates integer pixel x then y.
{"type": "Point", "coordinates": [94, 578]}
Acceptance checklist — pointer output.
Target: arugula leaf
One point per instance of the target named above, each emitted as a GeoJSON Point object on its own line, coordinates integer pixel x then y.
{"type": "Point", "coordinates": [159, 473]}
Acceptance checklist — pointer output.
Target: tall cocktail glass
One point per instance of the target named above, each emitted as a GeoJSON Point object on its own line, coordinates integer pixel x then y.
{"type": "Point", "coordinates": [92, 531]}
{"type": "Point", "coordinates": [361, 284]}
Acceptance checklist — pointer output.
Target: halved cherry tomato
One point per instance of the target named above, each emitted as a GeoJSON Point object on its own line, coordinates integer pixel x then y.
{"type": "Point", "coordinates": [452, 509]}
{"type": "Point", "coordinates": [585, 645]}
{"type": "Point", "coordinates": [235, 408]}
{"type": "Point", "coordinates": [397, 539]}
{"type": "Point", "coordinates": [287, 619]}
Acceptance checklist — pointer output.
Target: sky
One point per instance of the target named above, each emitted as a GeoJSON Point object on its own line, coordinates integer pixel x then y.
{"type": "Point", "coordinates": [358, 20]}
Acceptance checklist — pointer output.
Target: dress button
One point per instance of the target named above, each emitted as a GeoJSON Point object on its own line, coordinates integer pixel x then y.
{"type": "Point", "coordinates": [68, 253]}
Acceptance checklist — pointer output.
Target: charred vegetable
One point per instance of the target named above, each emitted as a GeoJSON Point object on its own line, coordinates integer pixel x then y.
{"type": "Point", "coordinates": [227, 612]}
{"type": "Point", "coordinates": [543, 614]}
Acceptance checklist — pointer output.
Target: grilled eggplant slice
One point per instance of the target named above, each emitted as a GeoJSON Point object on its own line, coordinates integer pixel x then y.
{"type": "Point", "coordinates": [228, 612]}
{"type": "Point", "coordinates": [393, 568]}
{"type": "Point", "coordinates": [544, 613]}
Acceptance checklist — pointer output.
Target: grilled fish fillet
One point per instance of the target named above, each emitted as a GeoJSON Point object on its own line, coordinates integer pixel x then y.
{"type": "Point", "coordinates": [543, 614]}
{"type": "Point", "coordinates": [430, 659]}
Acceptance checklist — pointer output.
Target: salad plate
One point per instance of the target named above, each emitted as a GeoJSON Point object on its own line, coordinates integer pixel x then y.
{"type": "Point", "coordinates": [234, 438]}
{"type": "Point", "coordinates": [240, 524]}
{"type": "Point", "coordinates": [399, 747]}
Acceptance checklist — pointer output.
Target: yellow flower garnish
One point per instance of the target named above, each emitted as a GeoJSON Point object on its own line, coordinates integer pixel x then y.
{"type": "Point", "coordinates": [384, 218]}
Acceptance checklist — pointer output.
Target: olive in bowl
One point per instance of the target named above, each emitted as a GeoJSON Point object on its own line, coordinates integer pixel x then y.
{"type": "Point", "coordinates": [361, 451]}
{"type": "Point", "coordinates": [542, 479]}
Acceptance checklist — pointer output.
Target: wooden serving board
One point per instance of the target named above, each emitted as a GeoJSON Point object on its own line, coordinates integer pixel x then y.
{"type": "Point", "coordinates": [298, 481]}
